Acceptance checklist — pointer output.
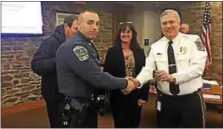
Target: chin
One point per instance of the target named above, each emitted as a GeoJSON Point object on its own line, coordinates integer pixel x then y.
{"type": "Point", "coordinates": [125, 41]}
{"type": "Point", "coordinates": [91, 37]}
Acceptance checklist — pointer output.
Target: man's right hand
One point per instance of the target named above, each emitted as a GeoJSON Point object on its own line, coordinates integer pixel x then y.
{"type": "Point", "coordinates": [136, 82]}
{"type": "Point", "coordinates": [132, 84]}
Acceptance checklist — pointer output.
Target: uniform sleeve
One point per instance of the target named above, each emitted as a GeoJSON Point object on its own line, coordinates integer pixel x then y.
{"type": "Point", "coordinates": [146, 73]}
{"type": "Point", "coordinates": [144, 91]}
{"type": "Point", "coordinates": [197, 63]}
{"type": "Point", "coordinates": [84, 66]}
{"type": "Point", "coordinates": [43, 63]}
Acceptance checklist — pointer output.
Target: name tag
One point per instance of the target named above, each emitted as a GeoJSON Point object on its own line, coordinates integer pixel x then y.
{"type": "Point", "coordinates": [158, 106]}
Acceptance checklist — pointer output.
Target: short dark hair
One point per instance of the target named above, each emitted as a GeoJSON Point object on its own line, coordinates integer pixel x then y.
{"type": "Point", "coordinates": [134, 43]}
{"type": "Point", "coordinates": [70, 19]}
{"type": "Point", "coordinates": [89, 10]}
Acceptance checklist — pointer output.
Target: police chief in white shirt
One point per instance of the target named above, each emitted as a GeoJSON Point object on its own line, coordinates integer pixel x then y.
{"type": "Point", "coordinates": [184, 107]}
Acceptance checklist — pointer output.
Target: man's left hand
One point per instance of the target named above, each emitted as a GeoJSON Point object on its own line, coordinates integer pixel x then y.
{"type": "Point", "coordinates": [164, 76]}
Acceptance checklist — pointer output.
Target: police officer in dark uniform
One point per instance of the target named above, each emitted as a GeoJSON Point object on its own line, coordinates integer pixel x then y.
{"type": "Point", "coordinates": [44, 64]}
{"type": "Point", "coordinates": [80, 76]}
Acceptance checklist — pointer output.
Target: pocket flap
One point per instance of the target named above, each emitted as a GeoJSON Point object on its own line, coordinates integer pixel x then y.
{"type": "Point", "coordinates": [182, 57]}
{"type": "Point", "coordinates": [160, 59]}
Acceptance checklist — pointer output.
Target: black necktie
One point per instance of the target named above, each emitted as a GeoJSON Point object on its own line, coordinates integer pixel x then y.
{"type": "Point", "coordinates": [174, 89]}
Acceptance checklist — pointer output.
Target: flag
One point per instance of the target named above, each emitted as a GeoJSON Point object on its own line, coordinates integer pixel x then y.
{"type": "Point", "coordinates": [206, 33]}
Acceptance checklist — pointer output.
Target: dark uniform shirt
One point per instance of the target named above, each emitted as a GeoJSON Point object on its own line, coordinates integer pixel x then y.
{"type": "Point", "coordinates": [78, 69]}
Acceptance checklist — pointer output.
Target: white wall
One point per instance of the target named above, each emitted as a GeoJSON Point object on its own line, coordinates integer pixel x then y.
{"type": "Point", "coordinates": [151, 26]}
{"type": "Point", "coordinates": [137, 17]}
{"type": "Point", "coordinates": [146, 22]}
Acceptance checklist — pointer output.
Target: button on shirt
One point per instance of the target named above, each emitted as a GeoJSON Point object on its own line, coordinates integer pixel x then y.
{"type": "Point", "coordinates": [190, 58]}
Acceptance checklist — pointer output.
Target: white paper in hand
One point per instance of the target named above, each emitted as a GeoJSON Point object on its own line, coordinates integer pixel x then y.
{"type": "Point", "coordinates": [158, 105]}
{"type": "Point", "coordinates": [211, 82]}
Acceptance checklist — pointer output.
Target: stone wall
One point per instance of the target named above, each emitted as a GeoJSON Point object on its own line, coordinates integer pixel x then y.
{"type": "Point", "coordinates": [19, 83]}
{"type": "Point", "coordinates": [193, 15]}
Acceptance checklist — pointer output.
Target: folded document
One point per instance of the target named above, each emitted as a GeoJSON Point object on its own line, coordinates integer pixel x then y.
{"type": "Point", "coordinates": [208, 96]}
{"type": "Point", "coordinates": [211, 82]}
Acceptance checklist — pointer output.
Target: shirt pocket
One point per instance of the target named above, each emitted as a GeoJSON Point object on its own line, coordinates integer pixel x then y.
{"type": "Point", "coordinates": [161, 63]}
{"type": "Point", "coordinates": [183, 61]}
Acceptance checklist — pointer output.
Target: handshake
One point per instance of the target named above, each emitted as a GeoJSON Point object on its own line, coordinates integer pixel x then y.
{"type": "Point", "coordinates": [132, 85]}
{"type": "Point", "coordinates": [157, 75]}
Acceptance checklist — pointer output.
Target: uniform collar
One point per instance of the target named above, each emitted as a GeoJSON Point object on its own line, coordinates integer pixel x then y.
{"type": "Point", "coordinates": [82, 37]}
{"type": "Point", "coordinates": [175, 40]}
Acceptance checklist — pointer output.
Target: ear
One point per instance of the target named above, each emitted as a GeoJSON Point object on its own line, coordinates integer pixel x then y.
{"type": "Point", "coordinates": [78, 23]}
{"type": "Point", "coordinates": [66, 26]}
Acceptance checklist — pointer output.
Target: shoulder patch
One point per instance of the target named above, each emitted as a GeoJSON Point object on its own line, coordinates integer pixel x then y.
{"type": "Point", "coordinates": [81, 52]}
{"type": "Point", "coordinates": [199, 44]}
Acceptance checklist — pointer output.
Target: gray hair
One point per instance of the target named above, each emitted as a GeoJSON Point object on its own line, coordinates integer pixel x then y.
{"type": "Point", "coordinates": [70, 19]}
{"type": "Point", "coordinates": [169, 11]}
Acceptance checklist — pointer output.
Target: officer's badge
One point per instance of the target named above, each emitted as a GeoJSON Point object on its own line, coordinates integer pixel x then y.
{"type": "Point", "coordinates": [199, 44]}
{"type": "Point", "coordinates": [183, 50]}
{"type": "Point", "coordinates": [81, 53]}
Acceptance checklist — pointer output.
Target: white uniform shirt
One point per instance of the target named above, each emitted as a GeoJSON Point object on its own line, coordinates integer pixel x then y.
{"type": "Point", "coordinates": [190, 58]}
